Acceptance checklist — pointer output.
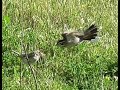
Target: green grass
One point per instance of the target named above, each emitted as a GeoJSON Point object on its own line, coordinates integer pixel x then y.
{"type": "Point", "coordinates": [39, 23]}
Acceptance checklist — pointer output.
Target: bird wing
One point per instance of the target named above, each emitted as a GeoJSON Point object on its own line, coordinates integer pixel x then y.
{"type": "Point", "coordinates": [30, 55]}
{"type": "Point", "coordinates": [68, 36]}
{"type": "Point", "coordinates": [77, 34]}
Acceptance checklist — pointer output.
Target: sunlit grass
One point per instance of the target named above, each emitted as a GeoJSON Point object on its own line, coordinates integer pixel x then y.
{"type": "Point", "coordinates": [39, 24]}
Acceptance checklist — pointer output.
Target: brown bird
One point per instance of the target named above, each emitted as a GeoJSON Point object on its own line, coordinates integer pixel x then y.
{"type": "Point", "coordinates": [75, 37]}
{"type": "Point", "coordinates": [31, 57]}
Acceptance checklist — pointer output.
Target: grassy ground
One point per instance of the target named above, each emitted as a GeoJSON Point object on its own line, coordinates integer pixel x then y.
{"type": "Point", "coordinates": [39, 23]}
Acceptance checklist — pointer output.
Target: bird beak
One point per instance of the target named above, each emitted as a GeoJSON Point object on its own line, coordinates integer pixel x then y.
{"type": "Point", "coordinates": [60, 42]}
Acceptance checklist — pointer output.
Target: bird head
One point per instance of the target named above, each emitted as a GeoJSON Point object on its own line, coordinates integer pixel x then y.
{"type": "Point", "coordinates": [61, 42]}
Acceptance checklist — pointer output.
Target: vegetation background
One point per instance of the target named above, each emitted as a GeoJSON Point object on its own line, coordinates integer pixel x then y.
{"type": "Point", "coordinates": [39, 24]}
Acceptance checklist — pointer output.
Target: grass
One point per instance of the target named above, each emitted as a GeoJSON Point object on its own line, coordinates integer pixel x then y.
{"type": "Point", "coordinates": [39, 23]}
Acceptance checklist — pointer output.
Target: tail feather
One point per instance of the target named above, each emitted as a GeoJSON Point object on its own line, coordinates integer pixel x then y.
{"type": "Point", "coordinates": [90, 33]}
{"type": "Point", "coordinates": [91, 27]}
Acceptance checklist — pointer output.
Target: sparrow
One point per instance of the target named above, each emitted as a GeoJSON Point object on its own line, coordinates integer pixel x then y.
{"type": "Point", "coordinates": [75, 37]}
{"type": "Point", "coordinates": [31, 57]}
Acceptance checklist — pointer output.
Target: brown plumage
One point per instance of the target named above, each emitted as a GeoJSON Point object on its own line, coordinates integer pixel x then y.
{"type": "Point", "coordinates": [30, 57]}
{"type": "Point", "coordinates": [75, 37]}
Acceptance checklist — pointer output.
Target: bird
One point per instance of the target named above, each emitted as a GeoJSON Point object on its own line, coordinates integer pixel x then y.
{"type": "Point", "coordinates": [71, 38]}
{"type": "Point", "coordinates": [31, 57]}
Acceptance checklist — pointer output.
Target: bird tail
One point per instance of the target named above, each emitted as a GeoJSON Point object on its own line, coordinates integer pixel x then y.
{"type": "Point", "coordinates": [90, 33]}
